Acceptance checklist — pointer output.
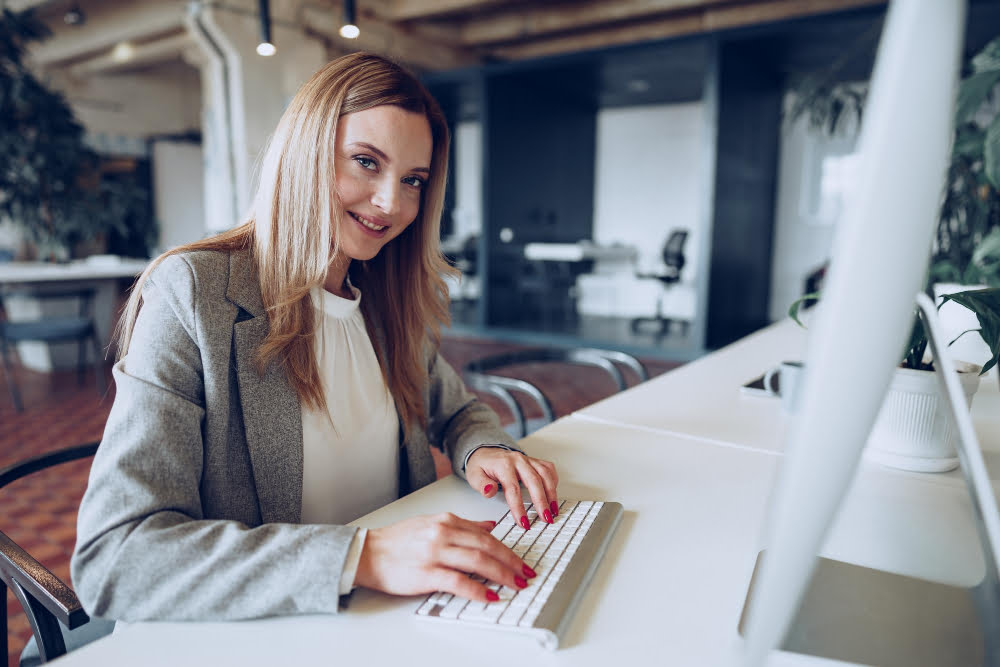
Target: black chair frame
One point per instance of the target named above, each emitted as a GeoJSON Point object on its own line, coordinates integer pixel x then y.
{"type": "Point", "coordinates": [478, 376]}
{"type": "Point", "coordinates": [46, 600]}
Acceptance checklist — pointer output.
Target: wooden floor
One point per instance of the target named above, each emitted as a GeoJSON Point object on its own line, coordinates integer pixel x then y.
{"type": "Point", "coordinates": [39, 512]}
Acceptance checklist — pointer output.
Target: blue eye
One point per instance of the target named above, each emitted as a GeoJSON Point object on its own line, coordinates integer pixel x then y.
{"type": "Point", "coordinates": [414, 181]}
{"type": "Point", "coordinates": [366, 162]}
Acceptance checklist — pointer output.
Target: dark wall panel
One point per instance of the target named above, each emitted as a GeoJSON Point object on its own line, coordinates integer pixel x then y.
{"type": "Point", "coordinates": [746, 174]}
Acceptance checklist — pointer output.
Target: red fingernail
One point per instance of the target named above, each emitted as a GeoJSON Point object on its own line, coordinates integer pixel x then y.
{"type": "Point", "coordinates": [547, 515]}
{"type": "Point", "coordinates": [555, 508]}
{"type": "Point", "coordinates": [487, 489]}
{"type": "Point", "coordinates": [524, 523]}
{"type": "Point", "coordinates": [528, 572]}
{"type": "Point", "coordinates": [492, 596]}
{"type": "Point", "coordinates": [493, 524]}
{"type": "Point", "coordinates": [521, 583]}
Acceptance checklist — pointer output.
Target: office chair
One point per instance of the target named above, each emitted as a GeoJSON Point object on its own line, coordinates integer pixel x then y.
{"type": "Point", "coordinates": [673, 260]}
{"type": "Point", "coordinates": [58, 622]}
{"type": "Point", "coordinates": [80, 328]}
{"type": "Point", "coordinates": [479, 376]}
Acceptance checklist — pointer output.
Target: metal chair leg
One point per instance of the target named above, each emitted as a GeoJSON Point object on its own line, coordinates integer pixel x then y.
{"type": "Point", "coordinates": [99, 366]}
{"type": "Point", "coordinates": [9, 374]}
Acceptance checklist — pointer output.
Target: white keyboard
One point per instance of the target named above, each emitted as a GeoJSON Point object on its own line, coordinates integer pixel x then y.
{"type": "Point", "coordinates": [564, 554]}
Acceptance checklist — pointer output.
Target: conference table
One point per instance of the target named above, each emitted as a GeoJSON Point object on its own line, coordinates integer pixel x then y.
{"type": "Point", "coordinates": [692, 459]}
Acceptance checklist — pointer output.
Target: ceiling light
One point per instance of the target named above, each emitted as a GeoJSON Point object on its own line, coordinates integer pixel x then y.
{"type": "Point", "coordinates": [266, 46]}
{"type": "Point", "coordinates": [123, 52]}
{"type": "Point", "coordinates": [349, 29]}
{"type": "Point", "coordinates": [74, 15]}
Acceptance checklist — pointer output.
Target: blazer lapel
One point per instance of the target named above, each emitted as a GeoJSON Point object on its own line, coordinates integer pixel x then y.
{"type": "Point", "coordinates": [272, 419]}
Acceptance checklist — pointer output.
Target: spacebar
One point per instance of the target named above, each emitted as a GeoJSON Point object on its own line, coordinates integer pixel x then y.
{"type": "Point", "coordinates": [561, 605]}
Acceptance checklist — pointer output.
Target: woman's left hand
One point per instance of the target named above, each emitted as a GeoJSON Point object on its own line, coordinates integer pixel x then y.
{"type": "Point", "coordinates": [490, 467]}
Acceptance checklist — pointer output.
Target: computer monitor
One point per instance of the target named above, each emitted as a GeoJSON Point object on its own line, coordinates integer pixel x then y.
{"type": "Point", "coordinates": [880, 257]}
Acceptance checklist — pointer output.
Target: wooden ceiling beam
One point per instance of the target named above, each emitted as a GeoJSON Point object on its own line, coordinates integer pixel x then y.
{"type": "Point", "coordinates": [691, 22]}
{"type": "Point", "coordinates": [405, 44]}
{"type": "Point", "coordinates": [539, 20]}
{"type": "Point", "coordinates": [409, 10]}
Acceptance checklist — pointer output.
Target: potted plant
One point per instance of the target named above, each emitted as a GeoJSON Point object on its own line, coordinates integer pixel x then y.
{"type": "Point", "coordinates": [51, 186]}
{"type": "Point", "coordinates": [913, 430]}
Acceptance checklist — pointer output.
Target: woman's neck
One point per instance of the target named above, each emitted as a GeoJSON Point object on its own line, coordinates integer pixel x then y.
{"type": "Point", "coordinates": [336, 278]}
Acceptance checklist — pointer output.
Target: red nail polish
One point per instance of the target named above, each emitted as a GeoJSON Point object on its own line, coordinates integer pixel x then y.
{"type": "Point", "coordinates": [487, 489]}
{"type": "Point", "coordinates": [493, 524]}
{"type": "Point", "coordinates": [492, 596]}
{"type": "Point", "coordinates": [524, 523]}
{"type": "Point", "coordinates": [521, 583]}
{"type": "Point", "coordinates": [554, 506]}
{"type": "Point", "coordinates": [528, 572]}
{"type": "Point", "coordinates": [547, 515]}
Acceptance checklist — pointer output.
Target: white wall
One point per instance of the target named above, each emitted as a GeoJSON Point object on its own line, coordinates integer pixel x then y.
{"type": "Point", "coordinates": [178, 191]}
{"type": "Point", "coordinates": [804, 218]}
{"type": "Point", "coordinates": [161, 100]}
{"type": "Point", "coordinates": [467, 215]}
{"type": "Point", "coordinates": [648, 164]}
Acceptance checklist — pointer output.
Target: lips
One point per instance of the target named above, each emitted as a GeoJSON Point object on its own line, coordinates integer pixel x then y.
{"type": "Point", "coordinates": [368, 223]}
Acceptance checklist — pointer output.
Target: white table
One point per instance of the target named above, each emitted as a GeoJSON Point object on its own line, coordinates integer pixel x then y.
{"type": "Point", "coordinates": [101, 273]}
{"type": "Point", "coordinates": [671, 587]}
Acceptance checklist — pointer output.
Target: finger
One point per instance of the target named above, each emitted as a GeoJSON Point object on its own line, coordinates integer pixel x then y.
{"type": "Point", "coordinates": [453, 581]}
{"type": "Point", "coordinates": [481, 482]}
{"type": "Point", "coordinates": [478, 562]}
{"type": "Point", "coordinates": [492, 547]}
{"type": "Point", "coordinates": [536, 489]}
{"type": "Point", "coordinates": [550, 480]}
{"type": "Point", "coordinates": [507, 476]}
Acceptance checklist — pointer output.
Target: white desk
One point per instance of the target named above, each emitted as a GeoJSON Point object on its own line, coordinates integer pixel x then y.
{"type": "Point", "coordinates": [670, 589]}
{"type": "Point", "coordinates": [102, 274]}
{"type": "Point", "coordinates": [703, 399]}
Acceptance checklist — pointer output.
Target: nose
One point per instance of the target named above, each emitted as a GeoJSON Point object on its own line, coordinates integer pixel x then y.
{"type": "Point", "coordinates": [385, 196]}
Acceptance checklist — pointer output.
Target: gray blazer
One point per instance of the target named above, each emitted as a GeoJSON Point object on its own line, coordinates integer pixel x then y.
{"type": "Point", "coordinates": [194, 501]}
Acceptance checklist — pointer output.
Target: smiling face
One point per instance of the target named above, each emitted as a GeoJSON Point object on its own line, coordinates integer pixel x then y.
{"type": "Point", "coordinates": [383, 160]}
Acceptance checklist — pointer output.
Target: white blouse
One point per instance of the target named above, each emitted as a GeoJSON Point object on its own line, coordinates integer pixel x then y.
{"type": "Point", "coordinates": [350, 462]}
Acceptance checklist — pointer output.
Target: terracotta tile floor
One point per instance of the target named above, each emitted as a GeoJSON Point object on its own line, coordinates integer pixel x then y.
{"type": "Point", "coordinates": [39, 512]}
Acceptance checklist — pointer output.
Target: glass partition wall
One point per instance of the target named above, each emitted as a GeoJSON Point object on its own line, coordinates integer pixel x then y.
{"type": "Point", "coordinates": [567, 180]}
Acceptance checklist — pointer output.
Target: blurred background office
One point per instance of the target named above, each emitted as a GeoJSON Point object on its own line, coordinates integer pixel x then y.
{"type": "Point", "coordinates": [623, 175]}
{"type": "Point", "coordinates": [656, 177]}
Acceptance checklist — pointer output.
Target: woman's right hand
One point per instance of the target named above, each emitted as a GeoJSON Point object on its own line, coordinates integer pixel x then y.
{"type": "Point", "coordinates": [436, 553]}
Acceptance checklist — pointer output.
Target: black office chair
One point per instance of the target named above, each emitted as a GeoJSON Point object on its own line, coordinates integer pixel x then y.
{"type": "Point", "coordinates": [58, 622]}
{"type": "Point", "coordinates": [673, 260]}
{"type": "Point", "coordinates": [479, 376]}
{"type": "Point", "coordinates": [79, 328]}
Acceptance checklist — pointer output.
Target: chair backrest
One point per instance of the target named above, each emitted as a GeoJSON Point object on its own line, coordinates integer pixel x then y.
{"type": "Point", "coordinates": [673, 249]}
{"type": "Point", "coordinates": [46, 600]}
{"type": "Point", "coordinates": [479, 377]}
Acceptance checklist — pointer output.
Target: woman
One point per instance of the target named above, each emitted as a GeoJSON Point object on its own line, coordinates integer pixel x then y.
{"type": "Point", "coordinates": [281, 379]}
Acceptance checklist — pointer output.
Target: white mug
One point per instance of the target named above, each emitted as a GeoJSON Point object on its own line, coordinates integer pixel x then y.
{"type": "Point", "coordinates": [783, 380]}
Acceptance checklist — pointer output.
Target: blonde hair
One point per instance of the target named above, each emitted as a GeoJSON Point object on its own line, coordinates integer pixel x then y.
{"type": "Point", "coordinates": [294, 222]}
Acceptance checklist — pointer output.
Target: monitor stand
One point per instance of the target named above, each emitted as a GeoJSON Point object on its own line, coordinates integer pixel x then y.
{"type": "Point", "coordinates": [859, 614]}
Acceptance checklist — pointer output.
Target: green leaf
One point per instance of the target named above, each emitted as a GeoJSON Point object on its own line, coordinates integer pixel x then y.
{"type": "Point", "coordinates": [968, 141]}
{"type": "Point", "coordinates": [991, 152]}
{"type": "Point", "coordinates": [985, 304]}
{"type": "Point", "coordinates": [805, 300]}
{"type": "Point", "coordinates": [988, 59]}
{"type": "Point", "coordinates": [972, 92]}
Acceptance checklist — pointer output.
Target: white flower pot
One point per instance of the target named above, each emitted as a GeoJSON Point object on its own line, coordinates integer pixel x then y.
{"type": "Point", "coordinates": [913, 430]}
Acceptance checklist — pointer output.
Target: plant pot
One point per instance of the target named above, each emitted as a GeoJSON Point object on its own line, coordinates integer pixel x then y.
{"type": "Point", "coordinates": [913, 430]}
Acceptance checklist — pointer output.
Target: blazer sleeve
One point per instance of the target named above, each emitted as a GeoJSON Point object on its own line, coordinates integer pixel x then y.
{"type": "Point", "coordinates": [145, 549]}
{"type": "Point", "coordinates": [458, 420]}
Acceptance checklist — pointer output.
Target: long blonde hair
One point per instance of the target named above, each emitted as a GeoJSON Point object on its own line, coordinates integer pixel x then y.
{"type": "Point", "coordinates": [294, 224]}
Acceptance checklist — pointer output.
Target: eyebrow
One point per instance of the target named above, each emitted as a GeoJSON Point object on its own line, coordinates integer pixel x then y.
{"type": "Point", "coordinates": [383, 156]}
